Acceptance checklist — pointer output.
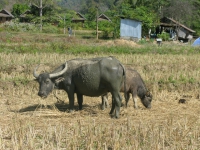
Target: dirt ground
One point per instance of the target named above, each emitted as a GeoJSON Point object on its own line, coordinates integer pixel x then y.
{"type": "Point", "coordinates": [167, 125]}
{"type": "Point", "coordinates": [28, 107]}
{"type": "Point", "coordinates": [25, 115]}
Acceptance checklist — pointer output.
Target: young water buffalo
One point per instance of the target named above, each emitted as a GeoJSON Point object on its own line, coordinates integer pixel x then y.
{"type": "Point", "coordinates": [135, 86]}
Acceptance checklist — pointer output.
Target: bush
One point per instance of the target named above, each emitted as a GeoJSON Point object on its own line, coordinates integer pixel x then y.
{"type": "Point", "coordinates": [15, 26]}
{"type": "Point", "coordinates": [164, 36]}
{"type": "Point", "coordinates": [50, 29]}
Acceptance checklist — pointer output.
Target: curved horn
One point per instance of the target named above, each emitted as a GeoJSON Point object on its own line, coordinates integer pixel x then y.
{"type": "Point", "coordinates": [53, 75]}
{"type": "Point", "coordinates": [35, 73]}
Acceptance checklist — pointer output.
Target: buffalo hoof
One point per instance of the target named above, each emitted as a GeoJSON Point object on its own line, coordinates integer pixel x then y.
{"type": "Point", "coordinates": [114, 117]}
{"type": "Point", "coordinates": [102, 107]}
{"type": "Point", "coordinates": [70, 110]}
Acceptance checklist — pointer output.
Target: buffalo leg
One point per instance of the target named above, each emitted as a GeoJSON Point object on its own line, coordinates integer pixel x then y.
{"type": "Point", "coordinates": [71, 102]}
{"type": "Point", "coordinates": [104, 103]}
{"type": "Point", "coordinates": [134, 96]}
{"type": "Point", "coordinates": [116, 104]}
{"type": "Point", "coordinates": [135, 102]}
{"type": "Point", "coordinates": [80, 101]}
{"type": "Point", "coordinates": [113, 106]}
{"type": "Point", "coordinates": [127, 98]}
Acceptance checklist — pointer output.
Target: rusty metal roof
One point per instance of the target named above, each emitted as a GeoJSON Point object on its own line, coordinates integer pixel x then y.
{"type": "Point", "coordinates": [175, 23]}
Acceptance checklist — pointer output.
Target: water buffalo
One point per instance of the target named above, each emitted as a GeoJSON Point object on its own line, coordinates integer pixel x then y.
{"type": "Point", "coordinates": [134, 85]}
{"type": "Point", "coordinates": [90, 77]}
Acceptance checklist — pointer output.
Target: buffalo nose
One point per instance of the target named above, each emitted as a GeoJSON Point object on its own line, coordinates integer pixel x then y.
{"type": "Point", "coordinates": [149, 107]}
{"type": "Point", "coordinates": [41, 94]}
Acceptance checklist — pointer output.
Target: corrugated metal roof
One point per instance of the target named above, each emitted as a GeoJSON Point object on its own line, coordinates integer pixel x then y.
{"type": "Point", "coordinates": [177, 23]}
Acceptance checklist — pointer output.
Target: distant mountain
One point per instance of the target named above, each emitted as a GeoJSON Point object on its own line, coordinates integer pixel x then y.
{"type": "Point", "coordinates": [72, 4]}
{"type": "Point", "coordinates": [77, 5]}
{"type": "Point", "coordinates": [7, 4]}
{"type": "Point", "coordinates": [81, 5]}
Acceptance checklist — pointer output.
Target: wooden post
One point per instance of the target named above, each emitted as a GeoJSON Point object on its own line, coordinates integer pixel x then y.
{"type": "Point", "coordinates": [97, 24]}
{"type": "Point", "coordinates": [64, 26]}
{"type": "Point", "coordinates": [40, 8]}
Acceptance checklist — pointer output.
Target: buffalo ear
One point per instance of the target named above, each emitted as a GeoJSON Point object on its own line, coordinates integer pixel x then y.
{"type": "Point", "coordinates": [35, 80]}
{"type": "Point", "coordinates": [148, 94]}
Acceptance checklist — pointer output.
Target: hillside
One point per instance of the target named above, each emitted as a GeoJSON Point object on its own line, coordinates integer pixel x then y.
{"type": "Point", "coordinates": [7, 4]}
{"type": "Point", "coordinates": [76, 5]}
{"type": "Point", "coordinates": [82, 6]}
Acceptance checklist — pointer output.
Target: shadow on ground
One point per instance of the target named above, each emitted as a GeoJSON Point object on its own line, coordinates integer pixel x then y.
{"type": "Point", "coordinates": [61, 107]}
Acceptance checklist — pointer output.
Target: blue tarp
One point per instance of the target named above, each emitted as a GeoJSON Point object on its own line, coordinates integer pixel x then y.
{"type": "Point", "coordinates": [196, 42]}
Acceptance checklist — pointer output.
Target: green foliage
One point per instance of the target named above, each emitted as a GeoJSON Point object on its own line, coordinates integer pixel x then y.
{"type": "Point", "coordinates": [164, 36]}
{"type": "Point", "coordinates": [20, 81]}
{"type": "Point", "coordinates": [148, 18]}
{"type": "Point", "coordinates": [64, 18]}
{"type": "Point", "coordinates": [50, 29]}
{"type": "Point", "coordinates": [142, 13]}
{"type": "Point", "coordinates": [3, 3]}
{"type": "Point", "coordinates": [171, 79]}
{"type": "Point", "coordinates": [22, 27]}
{"type": "Point", "coordinates": [92, 11]}
{"type": "Point", "coordinates": [18, 9]}
{"type": "Point", "coordinates": [106, 27]}
{"type": "Point", "coordinates": [149, 12]}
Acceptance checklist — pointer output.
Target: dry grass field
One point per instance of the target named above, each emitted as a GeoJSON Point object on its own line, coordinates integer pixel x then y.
{"type": "Point", "coordinates": [28, 122]}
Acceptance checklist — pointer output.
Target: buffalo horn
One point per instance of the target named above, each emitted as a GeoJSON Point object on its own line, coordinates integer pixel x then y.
{"type": "Point", "coordinates": [53, 75]}
{"type": "Point", "coordinates": [34, 72]}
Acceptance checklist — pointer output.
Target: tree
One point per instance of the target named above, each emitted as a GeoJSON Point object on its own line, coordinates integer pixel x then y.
{"type": "Point", "coordinates": [18, 9]}
{"type": "Point", "coordinates": [3, 3]}
{"type": "Point", "coordinates": [134, 10]}
{"type": "Point", "coordinates": [41, 4]}
{"type": "Point", "coordinates": [181, 11]}
{"type": "Point", "coordinates": [196, 17]}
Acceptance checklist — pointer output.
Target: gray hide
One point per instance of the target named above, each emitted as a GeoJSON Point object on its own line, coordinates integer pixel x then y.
{"type": "Point", "coordinates": [90, 77]}
{"type": "Point", "coordinates": [135, 86]}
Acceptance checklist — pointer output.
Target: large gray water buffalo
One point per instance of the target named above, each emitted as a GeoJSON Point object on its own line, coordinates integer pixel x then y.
{"type": "Point", "coordinates": [90, 77]}
{"type": "Point", "coordinates": [135, 86]}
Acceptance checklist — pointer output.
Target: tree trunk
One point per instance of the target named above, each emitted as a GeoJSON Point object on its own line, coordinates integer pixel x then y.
{"type": "Point", "coordinates": [40, 9]}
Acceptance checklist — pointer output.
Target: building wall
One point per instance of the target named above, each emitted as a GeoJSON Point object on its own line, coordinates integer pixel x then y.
{"type": "Point", "coordinates": [182, 33]}
{"type": "Point", "coordinates": [4, 19]}
{"type": "Point", "coordinates": [130, 29]}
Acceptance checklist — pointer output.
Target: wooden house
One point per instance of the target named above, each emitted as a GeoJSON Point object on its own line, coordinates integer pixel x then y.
{"type": "Point", "coordinates": [23, 17]}
{"type": "Point", "coordinates": [5, 16]}
{"type": "Point", "coordinates": [103, 17]}
{"type": "Point", "coordinates": [78, 18]}
{"type": "Point", "coordinates": [173, 27]}
{"type": "Point", "coordinates": [130, 29]}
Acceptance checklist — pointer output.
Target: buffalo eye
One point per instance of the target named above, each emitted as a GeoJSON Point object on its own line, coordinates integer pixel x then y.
{"type": "Point", "coordinates": [47, 81]}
